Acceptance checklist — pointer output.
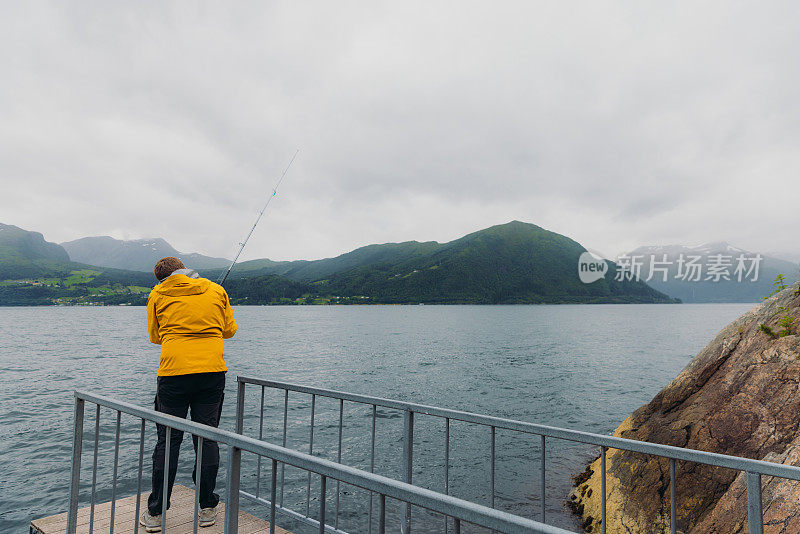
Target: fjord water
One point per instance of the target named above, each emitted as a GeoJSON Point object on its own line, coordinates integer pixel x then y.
{"type": "Point", "coordinates": [583, 367]}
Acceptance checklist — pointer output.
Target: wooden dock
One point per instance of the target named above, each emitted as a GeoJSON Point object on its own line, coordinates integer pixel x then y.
{"type": "Point", "coordinates": [180, 518]}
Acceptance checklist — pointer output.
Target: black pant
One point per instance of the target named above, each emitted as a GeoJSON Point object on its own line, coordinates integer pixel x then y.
{"type": "Point", "coordinates": [203, 393]}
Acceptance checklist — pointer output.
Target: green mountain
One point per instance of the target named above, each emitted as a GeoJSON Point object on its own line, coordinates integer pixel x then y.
{"type": "Point", "coordinates": [505, 264]}
{"type": "Point", "coordinates": [308, 270]}
{"type": "Point", "coordinates": [511, 263]}
{"type": "Point", "coordinates": [24, 253]}
{"type": "Point", "coordinates": [133, 255]}
{"type": "Point", "coordinates": [36, 272]}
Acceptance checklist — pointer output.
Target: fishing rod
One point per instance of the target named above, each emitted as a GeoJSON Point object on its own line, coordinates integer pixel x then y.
{"type": "Point", "coordinates": [261, 213]}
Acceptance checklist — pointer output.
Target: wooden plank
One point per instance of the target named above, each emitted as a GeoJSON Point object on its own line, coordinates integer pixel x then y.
{"type": "Point", "coordinates": [180, 517]}
{"type": "Point", "coordinates": [181, 497]}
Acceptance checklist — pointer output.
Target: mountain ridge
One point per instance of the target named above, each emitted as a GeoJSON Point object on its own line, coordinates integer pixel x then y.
{"type": "Point", "coordinates": [133, 254]}
{"type": "Point", "coordinates": [511, 263]}
{"type": "Point", "coordinates": [711, 290]}
{"type": "Point", "coordinates": [25, 252]}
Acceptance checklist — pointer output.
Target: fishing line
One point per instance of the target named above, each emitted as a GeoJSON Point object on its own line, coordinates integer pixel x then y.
{"type": "Point", "coordinates": [261, 213]}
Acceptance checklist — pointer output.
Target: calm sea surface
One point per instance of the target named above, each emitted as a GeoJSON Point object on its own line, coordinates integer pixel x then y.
{"type": "Point", "coordinates": [582, 367]}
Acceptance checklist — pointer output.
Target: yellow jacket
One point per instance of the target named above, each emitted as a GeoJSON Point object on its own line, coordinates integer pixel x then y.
{"type": "Point", "coordinates": [189, 318]}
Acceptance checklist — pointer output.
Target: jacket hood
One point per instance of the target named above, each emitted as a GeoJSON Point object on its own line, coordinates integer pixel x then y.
{"type": "Point", "coordinates": [180, 285]}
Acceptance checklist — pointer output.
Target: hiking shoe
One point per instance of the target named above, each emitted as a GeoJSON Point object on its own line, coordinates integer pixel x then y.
{"type": "Point", "coordinates": [151, 523]}
{"type": "Point", "coordinates": [207, 516]}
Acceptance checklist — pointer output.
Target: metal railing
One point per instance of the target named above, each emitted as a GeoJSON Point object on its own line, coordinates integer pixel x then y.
{"type": "Point", "coordinates": [754, 469]}
{"type": "Point", "coordinates": [457, 509]}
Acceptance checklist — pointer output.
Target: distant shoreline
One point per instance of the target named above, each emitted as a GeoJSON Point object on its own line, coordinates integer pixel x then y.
{"type": "Point", "coordinates": [387, 304]}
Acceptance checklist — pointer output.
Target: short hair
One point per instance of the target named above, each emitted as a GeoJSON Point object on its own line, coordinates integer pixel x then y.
{"type": "Point", "coordinates": [166, 266]}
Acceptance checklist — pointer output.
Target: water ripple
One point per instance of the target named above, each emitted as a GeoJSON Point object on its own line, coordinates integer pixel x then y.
{"type": "Point", "coordinates": [585, 367]}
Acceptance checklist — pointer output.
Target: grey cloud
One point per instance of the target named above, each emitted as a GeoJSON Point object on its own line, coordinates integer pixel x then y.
{"type": "Point", "coordinates": [415, 120]}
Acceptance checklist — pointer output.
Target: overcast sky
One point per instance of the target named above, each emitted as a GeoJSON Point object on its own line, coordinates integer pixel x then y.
{"type": "Point", "coordinates": [618, 124]}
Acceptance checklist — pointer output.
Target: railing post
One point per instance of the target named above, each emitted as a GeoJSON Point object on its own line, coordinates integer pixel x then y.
{"type": "Point", "coordinates": [260, 437]}
{"type": "Point", "coordinates": [114, 479]}
{"type": "Point", "coordinates": [94, 467]}
{"type": "Point", "coordinates": [75, 476]}
{"type": "Point", "coordinates": [673, 513]}
{"type": "Point", "coordinates": [139, 481]}
{"type": "Point", "coordinates": [755, 518]}
{"type": "Point", "coordinates": [165, 487]}
{"type": "Point", "coordinates": [492, 468]}
{"type": "Point", "coordinates": [322, 498]}
{"type": "Point", "coordinates": [235, 467]}
{"type": "Point", "coordinates": [603, 520]}
{"type": "Point", "coordinates": [310, 452]}
{"type": "Point", "coordinates": [339, 460]}
{"type": "Point", "coordinates": [273, 496]}
{"type": "Point", "coordinates": [446, 465]}
{"type": "Point", "coordinates": [544, 489]}
{"type": "Point", "coordinates": [198, 470]}
{"type": "Point", "coordinates": [283, 444]}
{"type": "Point", "coordinates": [232, 504]}
{"type": "Point", "coordinates": [382, 514]}
{"type": "Point", "coordinates": [372, 465]}
{"type": "Point", "coordinates": [239, 407]}
{"type": "Point", "coordinates": [408, 462]}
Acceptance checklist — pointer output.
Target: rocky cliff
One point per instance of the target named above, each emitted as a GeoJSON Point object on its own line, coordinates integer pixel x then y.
{"type": "Point", "coordinates": [739, 396]}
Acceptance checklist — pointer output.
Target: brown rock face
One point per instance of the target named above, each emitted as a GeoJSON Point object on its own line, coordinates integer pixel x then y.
{"type": "Point", "coordinates": [739, 396]}
{"type": "Point", "coordinates": [781, 500]}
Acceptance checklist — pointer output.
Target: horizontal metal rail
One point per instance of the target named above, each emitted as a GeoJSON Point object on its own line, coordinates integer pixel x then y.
{"type": "Point", "coordinates": [612, 442]}
{"type": "Point", "coordinates": [288, 512]}
{"type": "Point", "coordinates": [458, 509]}
{"type": "Point", "coordinates": [754, 469]}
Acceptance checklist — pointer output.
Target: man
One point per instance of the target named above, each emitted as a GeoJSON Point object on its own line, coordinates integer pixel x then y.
{"type": "Point", "coordinates": [189, 317]}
